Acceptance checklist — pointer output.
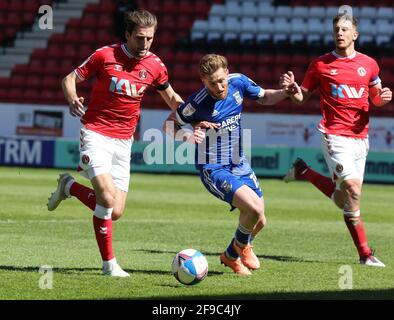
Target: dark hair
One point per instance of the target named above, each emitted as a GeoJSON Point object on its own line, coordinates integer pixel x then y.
{"type": "Point", "coordinates": [344, 16]}
{"type": "Point", "coordinates": [139, 19]}
{"type": "Point", "coordinates": [210, 63]}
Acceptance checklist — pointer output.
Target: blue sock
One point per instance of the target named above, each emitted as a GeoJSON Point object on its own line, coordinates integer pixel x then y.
{"type": "Point", "coordinates": [230, 251]}
{"type": "Point", "coordinates": [242, 235]}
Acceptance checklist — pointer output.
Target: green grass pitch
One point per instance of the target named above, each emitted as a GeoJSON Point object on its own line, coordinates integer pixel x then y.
{"type": "Point", "coordinates": [302, 249]}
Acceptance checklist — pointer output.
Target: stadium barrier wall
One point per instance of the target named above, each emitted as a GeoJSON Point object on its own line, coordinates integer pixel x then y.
{"type": "Point", "coordinates": [293, 131]}
{"type": "Point", "coordinates": [266, 161]}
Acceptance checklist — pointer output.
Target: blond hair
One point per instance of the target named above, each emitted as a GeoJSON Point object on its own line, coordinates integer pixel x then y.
{"type": "Point", "coordinates": [210, 63]}
{"type": "Point", "coordinates": [346, 17]}
{"type": "Point", "coordinates": [139, 19]}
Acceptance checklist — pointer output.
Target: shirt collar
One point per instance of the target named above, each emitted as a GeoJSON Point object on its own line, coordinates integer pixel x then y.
{"type": "Point", "coordinates": [128, 53]}
{"type": "Point", "coordinates": [343, 57]}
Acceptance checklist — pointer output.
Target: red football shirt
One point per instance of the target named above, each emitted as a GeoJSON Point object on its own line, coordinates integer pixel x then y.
{"type": "Point", "coordinates": [344, 84]}
{"type": "Point", "coordinates": [114, 106]}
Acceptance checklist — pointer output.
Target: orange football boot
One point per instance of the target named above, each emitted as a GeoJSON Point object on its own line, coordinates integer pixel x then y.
{"type": "Point", "coordinates": [236, 265]}
{"type": "Point", "coordinates": [248, 258]}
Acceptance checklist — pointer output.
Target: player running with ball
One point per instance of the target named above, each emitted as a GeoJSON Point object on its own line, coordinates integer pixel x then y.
{"type": "Point", "coordinates": [223, 168]}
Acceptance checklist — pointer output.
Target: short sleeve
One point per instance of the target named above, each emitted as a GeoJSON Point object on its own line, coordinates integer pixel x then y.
{"type": "Point", "coordinates": [90, 66]}
{"type": "Point", "coordinates": [374, 78]}
{"type": "Point", "coordinates": [311, 80]}
{"type": "Point", "coordinates": [161, 77]}
{"type": "Point", "coordinates": [252, 90]}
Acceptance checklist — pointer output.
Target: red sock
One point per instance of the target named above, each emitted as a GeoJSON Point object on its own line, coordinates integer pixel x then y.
{"type": "Point", "coordinates": [356, 229]}
{"type": "Point", "coordinates": [321, 182]}
{"type": "Point", "coordinates": [84, 194]}
{"type": "Point", "coordinates": [103, 231]}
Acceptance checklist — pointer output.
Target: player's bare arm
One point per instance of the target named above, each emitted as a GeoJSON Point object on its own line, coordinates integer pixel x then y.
{"type": "Point", "coordinates": [172, 99]}
{"type": "Point", "coordinates": [69, 86]}
{"type": "Point", "coordinates": [272, 96]}
{"type": "Point", "coordinates": [380, 96]}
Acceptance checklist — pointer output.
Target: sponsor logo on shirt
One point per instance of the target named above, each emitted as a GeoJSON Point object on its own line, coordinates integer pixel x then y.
{"type": "Point", "coordinates": [123, 86]}
{"type": "Point", "coordinates": [339, 91]}
{"type": "Point", "coordinates": [230, 124]}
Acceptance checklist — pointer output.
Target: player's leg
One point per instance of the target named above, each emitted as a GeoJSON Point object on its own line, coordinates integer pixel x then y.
{"type": "Point", "coordinates": [301, 171]}
{"type": "Point", "coordinates": [68, 187]}
{"type": "Point", "coordinates": [346, 162]}
{"type": "Point", "coordinates": [261, 223]}
{"type": "Point", "coordinates": [93, 154]}
{"type": "Point", "coordinates": [91, 143]}
{"type": "Point", "coordinates": [251, 214]}
{"type": "Point", "coordinates": [106, 193]}
{"type": "Point", "coordinates": [221, 184]}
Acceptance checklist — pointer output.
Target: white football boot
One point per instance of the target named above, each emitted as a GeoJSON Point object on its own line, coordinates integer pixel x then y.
{"type": "Point", "coordinates": [59, 194]}
{"type": "Point", "coordinates": [111, 268]}
{"type": "Point", "coordinates": [372, 261]}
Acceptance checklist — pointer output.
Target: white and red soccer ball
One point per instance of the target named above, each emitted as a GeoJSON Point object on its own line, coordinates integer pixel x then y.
{"type": "Point", "coordinates": [189, 266]}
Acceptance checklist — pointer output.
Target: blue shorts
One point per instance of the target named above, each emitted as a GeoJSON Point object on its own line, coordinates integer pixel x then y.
{"type": "Point", "coordinates": [224, 181]}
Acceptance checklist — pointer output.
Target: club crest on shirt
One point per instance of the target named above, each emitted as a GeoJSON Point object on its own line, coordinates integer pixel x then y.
{"type": "Point", "coordinates": [226, 186]}
{"type": "Point", "coordinates": [237, 98]}
{"type": "Point", "coordinates": [143, 74]}
{"type": "Point", "coordinates": [361, 71]}
{"type": "Point", "coordinates": [117, 67]}
{"type": "Point", "coordinates": [85, 159]}
{"type": "Point", "coordinates": [188, 110]}
{"type": "Point", "coordinates": [333, 72]}
{"type": "Point", "coordinates": [339, 168]}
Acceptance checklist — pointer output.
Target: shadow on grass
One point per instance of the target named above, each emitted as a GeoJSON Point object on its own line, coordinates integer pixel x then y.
{"type": "Point", "coordinates": [268, 257]}
{"type": "Point", "coordinates": [377, 294]}
{"type": "Point", "coordinates": [88, 271]}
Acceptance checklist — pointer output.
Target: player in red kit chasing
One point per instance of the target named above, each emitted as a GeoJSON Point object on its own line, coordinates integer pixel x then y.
{"type": "Point", "coordinates": [123, 72]}
{"type": "Point", "coordinates": [346, 79]}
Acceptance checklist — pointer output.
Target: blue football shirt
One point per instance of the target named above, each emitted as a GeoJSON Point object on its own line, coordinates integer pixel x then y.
{"type": "Point", "coordinates": [222, 146]}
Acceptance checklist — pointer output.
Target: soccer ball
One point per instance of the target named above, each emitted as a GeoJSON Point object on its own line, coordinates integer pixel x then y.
{"type": "Point", "coordinates": [189, 266]}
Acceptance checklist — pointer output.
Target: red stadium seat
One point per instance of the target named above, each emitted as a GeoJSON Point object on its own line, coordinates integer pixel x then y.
{"type": "Point", "coordinates": [51, 82]}
{"type": "Point", "coordinates": [72, 36]}
{"type": "Point", "coordinates": [34, 81]}
{"type": "Point", "coordinates": [55, 51]}
{"type": "Point", "coordinates": [265, 59]}
{"type": "Point", "coordinates": [35, 67]}
{"type": "Point", "coordinates": [52, 66]}
{"type": "Point", "coordinates": [18, 81]}
{"type": "Point", "coordinates": [107, 6]}
{"type": "Point", "coordinates": [20, 69]}
{"type": "Point", "coordinates": [105, 21]}
{"type": "Point", "coordinates": [170, 7]}
{"type": "Point", "coordinates": [234, 59]}
{"type": "Point", "coordinates": [248, 58]}
{"type": "Point", "coordinates": [186, 8]}
{"type": "Point", "coordinates": [92, 8]}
